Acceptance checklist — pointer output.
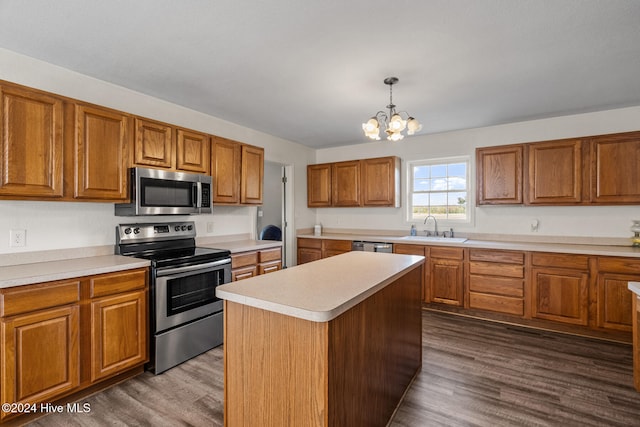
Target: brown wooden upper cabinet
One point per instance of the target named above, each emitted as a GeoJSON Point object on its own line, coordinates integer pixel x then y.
{"type": "Point", "coordinates": [319, 185]}
{"type": "Point", "coordinates": [238, 172]}
{"type": "Point", "coordinates": [499, 175]}
{"type": "Point", "coordinates": [603, 169]}
{"type": "Point", "coordinates": [554, 174]}
{"type": "Point", "coordinates": [354, 183]}
{"type": "Point", "coordinates": [380, 179]}
{"type": "Point", "coordinates": [100, 144]}
{"type": "Point", "coordinates": [615, 168]}
{"type": "Point", "coordinates": [159, 145]}
{"type": "Point", "coordinates": [31, 151]}
{"type": "Point", "coordinates": [345, 178]}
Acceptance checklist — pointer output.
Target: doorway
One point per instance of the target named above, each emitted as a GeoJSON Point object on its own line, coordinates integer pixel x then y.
{"type": "Point", "coordinates": [276, 207]}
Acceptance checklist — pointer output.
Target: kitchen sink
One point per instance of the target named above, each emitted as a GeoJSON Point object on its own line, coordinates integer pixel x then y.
{"type": "Point", "coordinates": [435, 239]}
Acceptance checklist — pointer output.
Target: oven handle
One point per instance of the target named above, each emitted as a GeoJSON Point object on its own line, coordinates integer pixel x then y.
{"type": "Point", "coordinates": [173, 270]}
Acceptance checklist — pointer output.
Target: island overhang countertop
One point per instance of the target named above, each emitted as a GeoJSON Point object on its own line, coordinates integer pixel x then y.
{"type": "Point", "coordinates": [322, 290]}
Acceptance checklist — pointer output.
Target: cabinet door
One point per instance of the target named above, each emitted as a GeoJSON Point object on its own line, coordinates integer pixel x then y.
{"type": "Point", "coordinates": [252, 175]}
{"type": "Point", "coordinates": [193, 152]}
{"type": "Point", "coordinates": [615, 168]}
{"type": "Point", "coordinates": [101, 143]}
{"type": "Point", "coordinates": [118, 333]}
{"type": "Point", "coordinates": [319, 185]}
{"type": "Point", "coordinates": [560, 295]}
{"type": "Point", "coordinates": [40, 357]}
{"type": "Point", "coordinates": [225, 170]}
{"type": "Point", "coordinates": [381, 182]}
{"type": "Point", "coordinates": [615, 301]}
{"type": "Point", "coordinates": [346, 183]}
{"type": "Point", "coordinates": [499, 175]}
{"type": "Point", "coordinates": [555, 172]}
{"type": "Point", "coordinates": [153, 144]}
{"type": "Point", "coordinates": [446, 281]}
{"type": "Point", "coordinates": [31, 145]}
{"type": "Point", "coordinates": [308, 255]}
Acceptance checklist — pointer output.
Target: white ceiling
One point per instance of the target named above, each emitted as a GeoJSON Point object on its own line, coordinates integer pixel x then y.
{"type": "Point", "coordinates": [312, 71]}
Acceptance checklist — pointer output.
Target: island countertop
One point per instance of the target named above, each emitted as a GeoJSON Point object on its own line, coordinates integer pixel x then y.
{"type": "Point", "coordinates": [322, 290]}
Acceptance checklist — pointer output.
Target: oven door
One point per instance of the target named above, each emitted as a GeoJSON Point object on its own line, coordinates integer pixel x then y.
{"type": "Point", "coordinates": [184, 294]}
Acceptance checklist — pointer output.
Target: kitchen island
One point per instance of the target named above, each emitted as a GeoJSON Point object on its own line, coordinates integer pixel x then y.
{"type": "Point", "coordinates": [330, 343]}
{"type": "Point", "coordinates": [635, 288]}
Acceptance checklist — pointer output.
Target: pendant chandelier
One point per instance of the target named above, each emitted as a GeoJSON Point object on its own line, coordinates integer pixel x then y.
{"type": "Point", "coordinates": [394, 123]}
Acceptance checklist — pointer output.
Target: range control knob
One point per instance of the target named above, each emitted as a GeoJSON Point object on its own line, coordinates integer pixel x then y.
{"type": "Point", "coordinates": [136, 230]}
{"type": "Point", "coordinates": [177, 228]}
{"type": "Point", "coordinates": [184, 227]}
{"type": "Point", "coordinates": [127, 230]}
{"type": "Point", "coordinates": [190, 227]}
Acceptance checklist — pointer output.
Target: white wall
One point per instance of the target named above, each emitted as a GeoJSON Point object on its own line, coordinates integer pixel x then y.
{"type": "Point", "coordinates": [581, 221]}
{"type": "Point", "coordinates": [56, 225]}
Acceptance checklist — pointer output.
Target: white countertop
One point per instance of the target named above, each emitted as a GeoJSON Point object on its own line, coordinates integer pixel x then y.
{"type": "Point", "coordinates": [622, 251]}
{"type": "Point", "coordinates": [634, 287]}
{"type": "Point", "coordinates": [39, 272]}
{"type": "Point", "coordinates": [321, 290]}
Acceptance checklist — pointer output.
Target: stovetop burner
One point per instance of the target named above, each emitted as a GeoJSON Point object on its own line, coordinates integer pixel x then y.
{"type": "Point", "coordinates": [165, 244]}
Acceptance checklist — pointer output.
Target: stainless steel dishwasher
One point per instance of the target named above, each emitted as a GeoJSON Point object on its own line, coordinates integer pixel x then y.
{"type": "Point", "coordinates": [361, 245]}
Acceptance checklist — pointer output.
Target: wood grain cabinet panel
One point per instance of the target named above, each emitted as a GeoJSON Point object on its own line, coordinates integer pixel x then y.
{"type": "Point", "coordinates": [554, 173]}
{"type": "Point", "coordinates": [446, 281]}
{"type": "Point", "coordinates": [306, 255]}
{"type": "Point", "coordinates": [381, 182]}
{"type": "Point", "coordinates": [252, 175]}
{"type": "Point", "coordinates": [225, 170]}
{"type": "Point", "coordinates": [615, 301]}
{"type": "Point", "coordinates": [40, 355]}
{"type": "Point", "coordinates": [31, 148]}
{"type": "Point", "coordinates": [560, 295]}
{"type": "Point", "coordinates": [193, 152]}
{"type": "Point", "coordinates": [615, 168]}
{"type": "Point", "coordinates": [101, 142]}
{"type": "Point", "coordinates": [345, 182]}
{"type": "Point", "coordinates": [319, 185]}
{"type": "Point", "coordinates": [118, 333]}
{"type": "Point", "coordinates": [499, 175]}
{"type": "Point", "coordinates": [153, 144]}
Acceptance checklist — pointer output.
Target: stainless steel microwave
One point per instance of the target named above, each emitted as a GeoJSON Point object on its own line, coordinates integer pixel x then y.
{"type": "Point", "coordinates": [159, 192]}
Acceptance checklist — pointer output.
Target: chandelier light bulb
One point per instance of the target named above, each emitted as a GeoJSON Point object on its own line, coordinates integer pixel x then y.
{"type": "Point", "coordinates": [393, 123]}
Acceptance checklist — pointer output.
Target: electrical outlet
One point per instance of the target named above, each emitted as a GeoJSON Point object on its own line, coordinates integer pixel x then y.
{"type": "Point", "coordinates": [210, 227]}
{"type": "Point", "coordinates": [18, 238]}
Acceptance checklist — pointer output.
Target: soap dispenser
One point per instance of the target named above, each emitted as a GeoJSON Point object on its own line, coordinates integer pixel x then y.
{"type": "Point", "coordinates": [413, 230]}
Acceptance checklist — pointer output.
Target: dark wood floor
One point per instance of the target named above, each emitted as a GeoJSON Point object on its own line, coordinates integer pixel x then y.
{"type": "Point", "coordinates": [474, 373]}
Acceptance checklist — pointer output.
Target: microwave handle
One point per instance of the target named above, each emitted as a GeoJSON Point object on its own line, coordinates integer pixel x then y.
{"type": "Point", "coordinates": [198, 199]}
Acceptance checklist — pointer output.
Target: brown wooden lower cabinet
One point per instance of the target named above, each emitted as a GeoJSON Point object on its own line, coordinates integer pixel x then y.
{"type": "Point", "coordinates": [310, 249]}
{"type": "Point", "coordinates": [252, 263]}
{"type": "Point", "coordinates": [43, 327]}
{"type": "Point", "coordinates": [635, 307]}
{"type": "Point", "coordinates": [560, 295]}
{"type": "Point", "coordinates": [446, 275]}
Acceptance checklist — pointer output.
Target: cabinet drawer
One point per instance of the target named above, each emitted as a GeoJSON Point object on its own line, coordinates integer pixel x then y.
{"type": "Point", "coordinates": [497, 285]}
{"type": "Point", "coordinates": [23, 299]}
{"type": "Point", "coordinates": [337, 245]}
{"type": "Point", "coordinates": [496, 269]}
{"type": "Point", "coordinates": [309, 243]}
{"type": "Point", "coordinates": [244, 273]}
{"type": "Point", "coordinates": [115, 283]}
{"type": "Point", "coordinates": [497, 303]}
{"type": "Point", "coordinates": [244, 259]}
{"type": "Point", "coordinates": [580, 262]}
{"type": "Point", "coordinates": [269, 267]}
{"type": "Point", "coordinates": [449, 253]}
{"type": "Point", "coordinates": [400, 248]}
{"type": "Point", "coordinates": [619, 265]}
{"type": "Point", "coordinates": [270, 255]}
{"type": "Point", "coordinates": [496, 256]}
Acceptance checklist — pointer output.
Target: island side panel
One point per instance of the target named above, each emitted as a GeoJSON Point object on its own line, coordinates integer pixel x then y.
{"type": "Point", "coordinates": [375, 350]}
{"type": "Point", "coordinates": [275, 369]}
{"type": "Point", "coordinates": [636, 341]}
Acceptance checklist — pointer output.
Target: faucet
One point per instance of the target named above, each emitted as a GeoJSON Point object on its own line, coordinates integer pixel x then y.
{"type": "Point", "coordinates": [435, 225]}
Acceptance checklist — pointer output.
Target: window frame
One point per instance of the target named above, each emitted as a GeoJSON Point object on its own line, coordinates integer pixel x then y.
{"type": "Point", "coordinates": [408, 193]}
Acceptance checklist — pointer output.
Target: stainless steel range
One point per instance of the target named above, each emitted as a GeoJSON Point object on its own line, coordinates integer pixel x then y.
{"type": "Point", "coordinates": [186, 315]}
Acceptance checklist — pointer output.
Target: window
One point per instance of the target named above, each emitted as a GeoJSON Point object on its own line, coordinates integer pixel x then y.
{"type": "Point", "coordinates": [440, 188]}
